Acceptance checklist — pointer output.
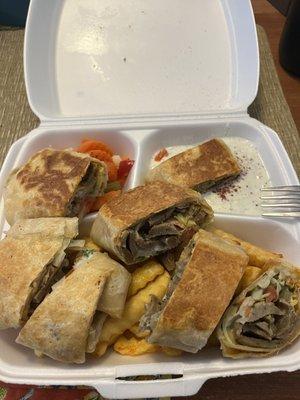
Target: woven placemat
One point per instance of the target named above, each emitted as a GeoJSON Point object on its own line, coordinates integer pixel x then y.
{"type": "Point", "coordinates": [270, 106]}
{"type": "Point", "coordinates": [16, 118]}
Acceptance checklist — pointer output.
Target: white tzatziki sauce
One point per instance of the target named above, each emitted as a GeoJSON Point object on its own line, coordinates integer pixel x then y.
{"type": "Point", "coordinates": [241, 194]}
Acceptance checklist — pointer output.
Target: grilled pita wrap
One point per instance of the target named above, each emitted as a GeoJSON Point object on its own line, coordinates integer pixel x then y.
{"type": "Point", "coordinates": [198, 168]}
{"type": "Point", "coordinates": [30, 259]}
{"type": "Point", "coordinates": [67, 325]}
{"type": "Point", "coordinates": [114, 295]}
{"type": "Point", "coordinates": [205, 279]}
{"type": "Point", "coordinates": [54, 183]}
{"type": "Point", "coordinates": [148, 220]}
{"type": "Point", "coordinates": [265, 317]}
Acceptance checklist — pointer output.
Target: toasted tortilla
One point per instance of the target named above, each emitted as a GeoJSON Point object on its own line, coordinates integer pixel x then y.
{"type": "Point", "coordinates": [199, 167]}
{"type": "Point", "coordinates": [114, 295]}
{"type": "Point", "coordinates": [132, 209]}
{"type": "Point", "coordinates": [207, 275]}
{"type": "Point", "coordinates": [46, 185]}
{"type": "Point", "coordinates": [24, 257]}
{"type": "Point", "coordinates": [53, 227]}
{"type": "Point", "coordinates": [60, 326]}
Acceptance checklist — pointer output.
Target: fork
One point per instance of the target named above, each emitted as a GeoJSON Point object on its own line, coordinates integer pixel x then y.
{"type": "Point", "coordinates": [283, 201]}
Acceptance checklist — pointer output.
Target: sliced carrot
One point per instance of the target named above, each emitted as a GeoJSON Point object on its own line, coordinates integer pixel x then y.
{"type": "Point", "coordinates": [100, 155]}
{"type": "Point", "coordinates": [104, 199]}
{"type": "Point", "coordinates": [88, 145]}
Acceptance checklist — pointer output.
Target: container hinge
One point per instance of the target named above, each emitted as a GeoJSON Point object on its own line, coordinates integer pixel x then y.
{"type": "Point", "coordinates": [142, 122]}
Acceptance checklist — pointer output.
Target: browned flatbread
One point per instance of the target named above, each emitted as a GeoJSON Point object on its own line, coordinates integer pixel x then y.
{"type": "Point", "coordinates": [46, 184]}
{"type": "Point", "coordinates": [138, 205]}
{"type": "Point", "coordinates": [211, 270]}
{"type": "Point", "coordinates": [24, 258]}
{"type": "Point", "coordinates": [198, 168]}
{"type": "Point", "coordinates": [59, 327]}
{"type": "Point", "coordinates": [49, 227]}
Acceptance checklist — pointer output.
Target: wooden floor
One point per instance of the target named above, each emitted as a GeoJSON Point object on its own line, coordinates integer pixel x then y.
{"type": "Point", "coordinates": [272, 21]}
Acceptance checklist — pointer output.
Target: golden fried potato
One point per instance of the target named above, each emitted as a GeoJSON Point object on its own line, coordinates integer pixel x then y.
{"type": "Point", "coordinates": [101, 349]}
{"type": "Point", "coordinates": [251, 273]}
{"type": "Point", "coordinates": [135, 330]}
{"type": "Point", "coordinates": [133, 310]}
{"type": "Point", "coordinates": [134, 346]}
{"type": "Point", "coordinates": [257, 256]}
{"type": "Point", "coordinates": [90, 245]}
{"type": "Point", "coordinates": [143, 275]}
{"type": "Point", "coordinates": [169, 351]}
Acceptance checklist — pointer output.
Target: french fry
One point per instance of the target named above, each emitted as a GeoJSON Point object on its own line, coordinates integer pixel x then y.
{"type": "Point", "coordinates": [101, 349]}
{"type": "Point", "coordinates": [251, 273]}
{"type": "Point", "coordinates": [135, 330]}
{"type": "Point", "coordinates": [134, 346]}
{"type": "Point", "coordinates": [143, 275]}
{"type": "Point", "coordinates": [257, 256]}
{"type": "Point", "coordinates": [169, 351]}
{"type": "Point", "coordinates": [133, 310]}
{"type": "Point", "coordinates": [90, 245]}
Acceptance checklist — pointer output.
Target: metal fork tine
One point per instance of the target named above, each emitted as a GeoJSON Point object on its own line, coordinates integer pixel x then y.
{"type": "Point", "coordinates": [292, 214]}
{"type": "Point", "coordinates": [281, 197]}
{"type": "Point", "coordinates": [294, 189]}
{"type": "Point", "coordinates": [295, 206]}
{"type": "Point", "coordinates": [283, 201]}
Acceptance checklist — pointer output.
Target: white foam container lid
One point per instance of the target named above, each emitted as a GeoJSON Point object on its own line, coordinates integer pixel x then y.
{"type": "Point", "coordinates": [142, 75]}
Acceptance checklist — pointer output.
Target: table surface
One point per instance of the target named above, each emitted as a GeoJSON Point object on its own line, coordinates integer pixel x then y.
{"type": "Point", "coordinates": [272, 21]}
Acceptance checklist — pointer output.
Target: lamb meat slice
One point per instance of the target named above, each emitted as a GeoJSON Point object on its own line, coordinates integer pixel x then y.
{"type": "Point", "coordinates": [285, 324]}
{"type": "Point", "coordinates": [256, 342]}
{"type": "Point", "coordinates": [161, 216]}
{"type": "Point", "coordinates": [139, 246]}
{"type": "Point", "coordinates": [170, 258]}
{"type": "Point", "coordinates": [164, 229]}
{"type": "Point", "coordinates": [252, 328]}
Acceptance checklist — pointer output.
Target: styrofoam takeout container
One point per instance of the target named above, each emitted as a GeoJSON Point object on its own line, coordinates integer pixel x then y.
{"type": "Point", "coordinates": [141, 75]}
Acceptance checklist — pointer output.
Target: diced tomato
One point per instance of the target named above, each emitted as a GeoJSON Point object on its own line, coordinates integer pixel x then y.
{"type": "Point", "coordinates": [161, 154]}
{"type": "Point", "coordinates": [124, 168]}
{"type": "Point", "coordinates": [88, 204]}
{"type": "Point", "coordinates": [272, 293]}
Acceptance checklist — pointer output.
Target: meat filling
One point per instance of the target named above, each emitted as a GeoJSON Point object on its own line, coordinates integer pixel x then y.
{"type": "Point", "coordinates": [92, 185]}
{"type": "Point", "coordinates": [52, 273]}
{"type": "Point", "coordinates": [170, 258]}
{"type": "Point", "coordinates": [161, 232]}
{"type": "Point", "coordinates": [268, 314]}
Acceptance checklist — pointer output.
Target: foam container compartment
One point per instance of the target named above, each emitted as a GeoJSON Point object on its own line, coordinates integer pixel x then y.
{"type": "Point", "coordinates": [142, 75]}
